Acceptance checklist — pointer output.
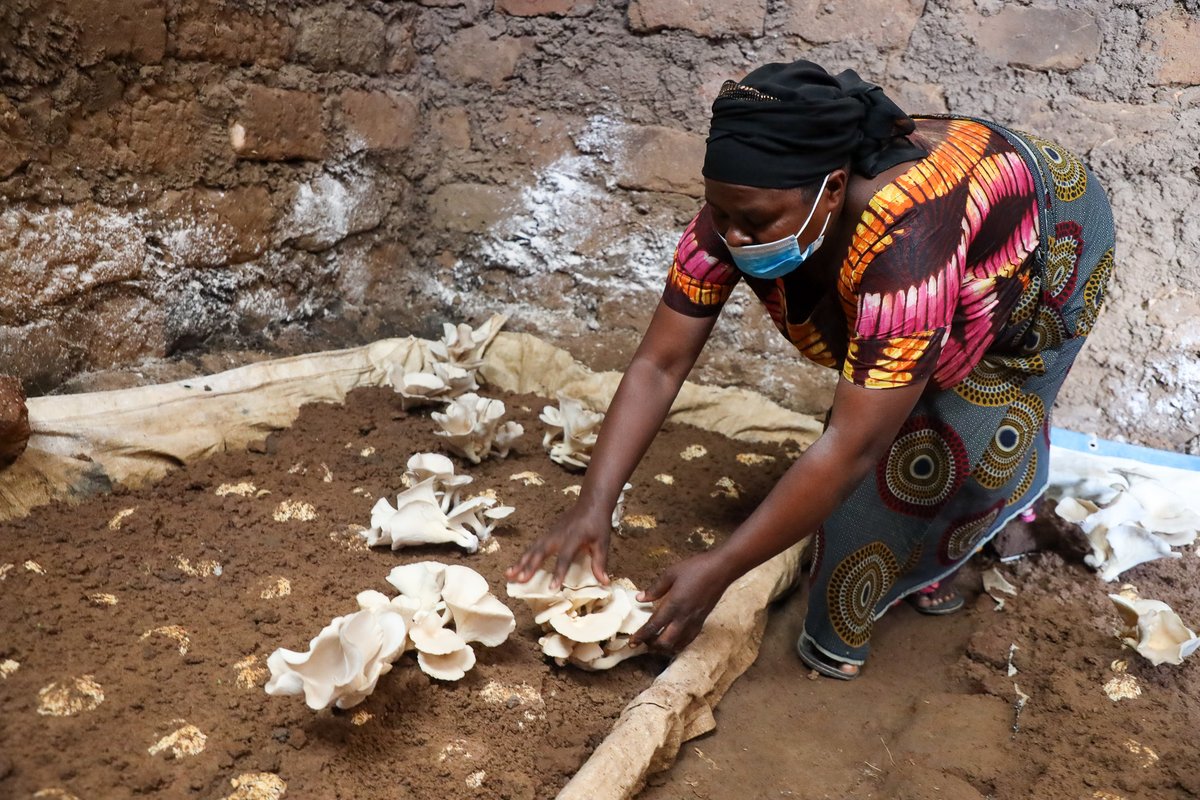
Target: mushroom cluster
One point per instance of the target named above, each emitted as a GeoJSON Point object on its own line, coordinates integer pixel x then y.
{"type": "Point", "coordinates": [473, 427]}
{"type": "Point", "coordinates": [346, 659]}
{"type": "Point", "coordinates": [1141, 523]}
{"type": "Point", "coordinates": [450, 369]}
{"type": "Point", "coordinates": [585, 623]}
{"type": "Point", "coordinates": [432, 510]}
{"type": "Point", "coordinates": [442, 382]}
{"type": "Point", "coordinates": [433, 596]}
{"type": "Point", "coordinates": [463, 345]}
{"type": "Point", "coordinates": [1153, 629]}
{"type": "Point", "coordinates": [573, 432]}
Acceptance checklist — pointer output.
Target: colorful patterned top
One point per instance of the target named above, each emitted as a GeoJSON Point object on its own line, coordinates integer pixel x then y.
{"type": "Point", "coordinates": [935, 267]}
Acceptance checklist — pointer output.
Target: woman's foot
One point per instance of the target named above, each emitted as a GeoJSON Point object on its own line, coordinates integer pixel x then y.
{"type": "Point", "coordinates": [823, 664]}
{"type": "Point", "coordinates": [937, 599]}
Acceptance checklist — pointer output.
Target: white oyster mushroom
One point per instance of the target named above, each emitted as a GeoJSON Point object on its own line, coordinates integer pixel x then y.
{"type": "Point", "coordinates": [594, 621]}
{"type": "Point", "coordinates": [449, 667]}
{"type": "Point", "coordinates": [472, 427]}
{"type": "Point", "coordinates": [430, 512]}
{"type": "Point", "coordinates": [557, 647]}
{"type": "Point", "coordinates": [417, 518]}
{"type": "Point", "coordinates": [346, 659]}
{"type": "Point", "coordinates": [1118, 539]}
{"type": "Point", "coordinates": [1165, 512]}
{"type": "Point", "coordinates": [430, 635]}
{"type": "Point", "coordinates": [479, 616]}
{"type": "Point", "coordinates": [457, 379]}
{"type": "Point", "coordinates": [586, 624]}
{"type": "Point", "coordinates": [1154, 630]}
{"type": "Point", "coordinates": [420, 582]}
{"type": "Point", "coordinates": [573, 432]}
{"type": "Point", "coordinates": [463, 345]}
{"type": "Point", "coordinates": [440, 384]}
{"type": "Point", "coordinates": [419, 389]}
{"type": "Point", "coordinates": [446, 484]}
{"type": "Point", "coordinates": [441, 595]}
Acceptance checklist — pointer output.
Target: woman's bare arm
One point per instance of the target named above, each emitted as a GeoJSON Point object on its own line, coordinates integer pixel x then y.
{"type": "Point", "coordinates": [667, 352]}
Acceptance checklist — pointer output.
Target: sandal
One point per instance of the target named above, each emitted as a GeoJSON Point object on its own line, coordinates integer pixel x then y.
{"type": "Point", "coordinates": [951, 603]}
{"type": "Point", "coordinates": [822, 663]}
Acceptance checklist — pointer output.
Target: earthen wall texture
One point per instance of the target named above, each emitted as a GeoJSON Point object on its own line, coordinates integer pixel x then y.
{"type": "Point", "coordinates": [183, 175]}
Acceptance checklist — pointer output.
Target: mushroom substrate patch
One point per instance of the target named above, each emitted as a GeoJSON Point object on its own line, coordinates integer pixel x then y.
{"type": "Point", "coordinates": [86, 694]}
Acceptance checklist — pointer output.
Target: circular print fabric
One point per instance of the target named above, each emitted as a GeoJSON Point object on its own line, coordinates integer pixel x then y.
{"type": "Point", "coordinates": [855, 588]}
{"type": "Point", "coordinates": [964, 535]}
{"type": "Point", "coordinates": [1012, 440]}
{"type": "Point", "coordinates": [924, 467]}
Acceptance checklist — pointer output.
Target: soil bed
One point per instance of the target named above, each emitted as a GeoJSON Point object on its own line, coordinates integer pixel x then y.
{"type": "Point", "coordinates": [934, 714]}
{"type": "Point", "coordinates": [190, 570]}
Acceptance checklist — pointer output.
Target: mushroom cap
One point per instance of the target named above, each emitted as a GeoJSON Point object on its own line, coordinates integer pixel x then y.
{"type": "Point", "coordinates": [430, 464]}
{"type": "Point", "coordinates": [586, 652]}
{"type": "Point", "coordinates": [1128, 546]}
{"type": "Point", "coordinates": [552, 609]}
{"type": "Point", "coordinates": [602, 623]}
{"type": "Point", "coordinates": [462, 586]}
{"type": "Point", "coordinates": [421, 383]}
{"type": "Point", "coordinates": [487, 621]}
{"type": "Point", "coordinates": [556, 645]}
{"type": "Point", "coordinates": [448, 667]}
{"type": "Point", "coordinates": [498, 512]}
{"type": "Point", "coordinates": [536, 589]}
{"type": "Point", "coordinates": [429, 634]}
{"type": "Point", "coordinates": [1166, 513]}
{"type": "Point", "coordinates": [421, 582]}
{"type": "Point", "coordinates": [381, 512]}
{"type": "Point", "coordinates": [345, 657]}
{"type": "Point", "coordinates": [478, 615]}
{"type": "Point", "coordinates": [1155, 631]}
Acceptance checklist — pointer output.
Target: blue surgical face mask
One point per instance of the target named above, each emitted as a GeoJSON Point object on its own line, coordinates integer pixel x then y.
{"type": "Point", "coordinates": [778, 258]}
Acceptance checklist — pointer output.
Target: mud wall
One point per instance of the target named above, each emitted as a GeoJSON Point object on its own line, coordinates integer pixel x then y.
{"type": "Point", "coordinates": [184, 174]}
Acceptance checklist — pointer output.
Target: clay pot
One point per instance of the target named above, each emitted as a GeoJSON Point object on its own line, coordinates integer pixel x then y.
{"type": "Point", "coordinates": [14, 421]}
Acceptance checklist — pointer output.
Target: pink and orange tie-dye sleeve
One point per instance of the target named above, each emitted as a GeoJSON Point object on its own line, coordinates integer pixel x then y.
{"type": "Point", "coordinates": [700, 281]}
{"type": "Point", "coordinates": [904, 301]}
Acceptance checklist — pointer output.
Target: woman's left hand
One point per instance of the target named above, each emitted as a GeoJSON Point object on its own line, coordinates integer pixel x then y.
{"type": "Point", "coordinates": [685, 595]}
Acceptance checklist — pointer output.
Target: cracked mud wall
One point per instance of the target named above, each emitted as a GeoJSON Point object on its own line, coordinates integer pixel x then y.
{"type": "Point", "coordinates": [196, 174]}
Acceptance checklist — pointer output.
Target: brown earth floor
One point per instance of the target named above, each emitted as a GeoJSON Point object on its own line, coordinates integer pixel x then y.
{"type": "Point", "coordinates": [515, 725]}
{"type": "Point", "coordinates": [933, 714]}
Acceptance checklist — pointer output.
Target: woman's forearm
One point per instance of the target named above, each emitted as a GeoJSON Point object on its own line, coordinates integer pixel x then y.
{"type": "Point", "coordinates": [861, 429]}
{"type": "Point", "coordinates": [808, 492]}
{"type": "Point", "coordinates": [634, 416]}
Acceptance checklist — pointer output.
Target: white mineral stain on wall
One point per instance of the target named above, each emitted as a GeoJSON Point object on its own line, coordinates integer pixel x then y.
{"type": "Point", "coordinates": [552, 228]}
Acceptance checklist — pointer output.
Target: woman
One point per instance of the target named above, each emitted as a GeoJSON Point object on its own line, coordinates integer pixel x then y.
{"type": "Point", "coordinates": [948, 268]}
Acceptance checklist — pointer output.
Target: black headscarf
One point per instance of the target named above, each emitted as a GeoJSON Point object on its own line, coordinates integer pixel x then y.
{"type": "Point", "coordinates": [788, 125]}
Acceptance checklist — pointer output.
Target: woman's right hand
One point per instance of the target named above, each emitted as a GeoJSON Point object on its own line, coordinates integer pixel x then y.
{"type": "Point", "coordinates": [579, 530]}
